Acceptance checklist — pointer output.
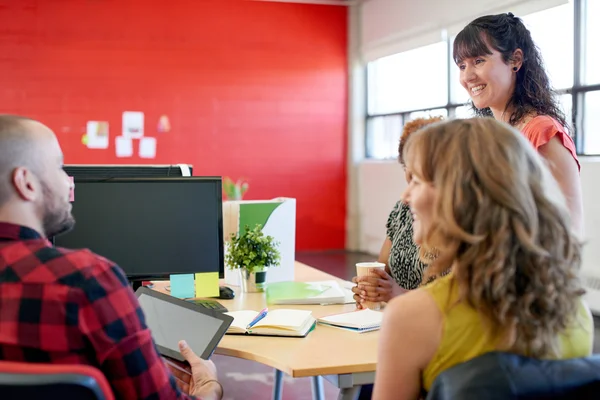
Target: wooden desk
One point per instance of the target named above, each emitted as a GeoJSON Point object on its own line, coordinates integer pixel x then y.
{"type": "Point", "coordinates": [346, 359]}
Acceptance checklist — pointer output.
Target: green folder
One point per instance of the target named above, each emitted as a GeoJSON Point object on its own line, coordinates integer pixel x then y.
{"type": "Point", "coordinates": [278, 291]}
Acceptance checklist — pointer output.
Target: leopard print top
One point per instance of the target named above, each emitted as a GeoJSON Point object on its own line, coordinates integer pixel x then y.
{"type": "Point", "coordinates": [404, 262]}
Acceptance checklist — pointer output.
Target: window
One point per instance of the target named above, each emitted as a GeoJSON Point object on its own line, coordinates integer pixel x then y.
{"type": "Point", "coordinates": [411, 80]}
{"type": "Point", "coordinates": [591, 64]}
{"type": "Point", "coordinates": [566, 102]}
{"type": "Point", "coordinates": [464, 112]}
{"type": "Point", "coordinates": [591, 123]}
{"type": "Point", "coordinates": [438, 112]}
{"type": "Point", "coordinates": [384, 136]}
{"type": "Point", "coordinates": [425, 81]}
{"type": "Point", "coordinates": [552, 32]}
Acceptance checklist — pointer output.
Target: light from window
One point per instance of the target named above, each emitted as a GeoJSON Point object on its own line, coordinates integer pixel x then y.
{"type": "Point", "coordinates": [591, 123]}
{"type": "Point", "coordinates": [463, 112]}
{"type": "Point", "coordinates": [383, 136]}
{"type": "Point", "coordinates": [566, 103]}
{"type": "Point", "coordinates": [438, 112]}
{"type": "Point", "coordinates": [591, 74]}
{"type": "Point", "coordinates": [411, 80]}
{"type": "Point", "coordinates": [552, 32]}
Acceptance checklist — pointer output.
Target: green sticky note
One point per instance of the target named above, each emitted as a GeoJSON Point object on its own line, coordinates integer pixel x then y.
{"type": "Point", "coordinates": [207, 284]}
{"type": "Point", "coordinates": [182, 286]}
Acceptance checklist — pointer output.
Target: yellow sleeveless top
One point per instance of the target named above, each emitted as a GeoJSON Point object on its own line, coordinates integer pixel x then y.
{"type": "Point", "coordinates": [464, 338]}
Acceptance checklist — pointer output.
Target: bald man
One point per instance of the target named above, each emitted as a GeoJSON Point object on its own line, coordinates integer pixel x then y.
{"type": "Point", "coordinates": [71, 306]}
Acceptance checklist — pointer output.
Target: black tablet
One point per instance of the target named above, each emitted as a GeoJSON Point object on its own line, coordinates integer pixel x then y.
{"type": "Point", "coordinates": [171, 319]}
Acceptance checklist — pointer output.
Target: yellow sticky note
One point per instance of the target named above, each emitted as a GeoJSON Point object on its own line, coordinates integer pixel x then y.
{"type": "Point", "coordinates": [207, 284]}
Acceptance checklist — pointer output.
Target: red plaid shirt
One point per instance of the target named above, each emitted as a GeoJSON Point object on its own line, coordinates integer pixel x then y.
{"type": "Point", "coordinates": [74, 307]}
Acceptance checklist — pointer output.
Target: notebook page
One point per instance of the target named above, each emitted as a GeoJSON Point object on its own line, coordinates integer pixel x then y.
{"type": "Point", "coordinates": [284, 318]}
{"type": "Point", "coordinates": [242, 318]}
{"type": "Point", "coordinates": [355, 319]}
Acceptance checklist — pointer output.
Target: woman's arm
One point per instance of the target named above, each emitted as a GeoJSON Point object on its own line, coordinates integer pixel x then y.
{"type": "Point", "coordinates": [565, 171]}
{"type": "Point", "coordinates": [384, 254]}
{"type": "Point", "coordinates": [410, 335]}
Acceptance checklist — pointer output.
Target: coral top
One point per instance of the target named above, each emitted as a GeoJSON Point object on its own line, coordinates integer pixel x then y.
{"type": "Point", "coordinates": [542, 128]}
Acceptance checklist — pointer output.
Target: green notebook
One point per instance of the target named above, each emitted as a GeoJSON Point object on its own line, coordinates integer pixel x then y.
{"type": "Point", "coordinates": [304, 292]}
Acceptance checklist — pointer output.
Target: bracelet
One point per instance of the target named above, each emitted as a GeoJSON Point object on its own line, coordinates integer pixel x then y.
{"type": "Point", "coordinates": [218, 383]}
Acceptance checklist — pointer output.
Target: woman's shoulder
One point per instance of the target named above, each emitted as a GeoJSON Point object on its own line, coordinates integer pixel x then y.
{"type": "Point", "coordinates": [541, 122]}
{"type": "Point", "coordinates": [540, 129]}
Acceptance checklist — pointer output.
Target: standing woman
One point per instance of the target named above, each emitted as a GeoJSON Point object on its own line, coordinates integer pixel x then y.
{"type": "Point", "coordinates": [502, 70]}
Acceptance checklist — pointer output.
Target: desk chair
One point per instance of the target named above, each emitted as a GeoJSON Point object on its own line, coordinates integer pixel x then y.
{"type": "Point", "coordinates": [29, 381]}
{"type": "Point", "coordinates": [503, 376]}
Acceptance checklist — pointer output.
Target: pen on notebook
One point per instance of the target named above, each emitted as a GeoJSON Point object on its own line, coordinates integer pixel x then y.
{"type": "Point", "coordinates": [260, 316]}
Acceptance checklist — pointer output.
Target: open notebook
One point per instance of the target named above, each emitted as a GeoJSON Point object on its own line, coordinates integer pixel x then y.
{"type": "Point", "coordinates": [357, 321]}
{"type": "Point", "coordinates": [282, 322]}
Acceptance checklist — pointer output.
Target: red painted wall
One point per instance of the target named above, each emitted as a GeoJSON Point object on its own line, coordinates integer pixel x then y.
{"type": "Point", "coordinates": [252, 89]}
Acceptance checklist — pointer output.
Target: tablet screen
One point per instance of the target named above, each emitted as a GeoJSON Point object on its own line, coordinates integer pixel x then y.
{"type": "Point", "coordinates": [174, 320]}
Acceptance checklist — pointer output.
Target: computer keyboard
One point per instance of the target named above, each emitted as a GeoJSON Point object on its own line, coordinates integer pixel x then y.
{"type": "Point", "coordinates": [210, 304]}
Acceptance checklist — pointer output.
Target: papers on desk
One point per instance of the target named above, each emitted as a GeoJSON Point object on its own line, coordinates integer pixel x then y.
{"type": "Point", "coordinates": [356, 321]}
{"type": "Point", "coordinates": [279, 322]}
{"type": "Point", "coordinates": [320, 292]}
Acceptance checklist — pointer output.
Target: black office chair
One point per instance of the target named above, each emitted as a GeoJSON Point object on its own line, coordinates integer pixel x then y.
{"type": "Point", "coordinates": [29, 381]}
{"type": "Point", "coordinates": [502, 376]}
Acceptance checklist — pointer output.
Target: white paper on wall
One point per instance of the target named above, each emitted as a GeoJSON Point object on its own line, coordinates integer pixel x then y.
{"type": "Point", "coordinates": [147, 147]}
{"type": "Point", "coordinates": [133, 124]}
{"type": "Point", "coordinates": [123, 146]}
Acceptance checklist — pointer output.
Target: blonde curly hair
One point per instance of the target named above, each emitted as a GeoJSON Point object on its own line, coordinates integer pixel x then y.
{"type": "Point", "coordinates": [502, 225]}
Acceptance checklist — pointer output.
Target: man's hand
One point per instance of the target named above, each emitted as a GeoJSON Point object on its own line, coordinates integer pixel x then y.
{"type": "Point", "coordinates": [195, 378]}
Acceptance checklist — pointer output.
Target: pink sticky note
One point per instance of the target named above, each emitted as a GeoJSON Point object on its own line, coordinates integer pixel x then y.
{"type": "Point", "coordinates": [72, 190]}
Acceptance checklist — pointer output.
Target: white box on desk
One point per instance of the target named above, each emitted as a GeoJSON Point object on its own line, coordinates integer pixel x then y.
{"type": "Point", "coordinates": [278, 219]}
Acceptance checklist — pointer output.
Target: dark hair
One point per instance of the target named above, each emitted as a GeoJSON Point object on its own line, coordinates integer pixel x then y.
{"type": "Point", "coordinates": [506, 33]}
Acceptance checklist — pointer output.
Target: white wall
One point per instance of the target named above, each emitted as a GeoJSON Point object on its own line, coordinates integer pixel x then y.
{"type": "Point", "coordinates": [381, 184]}
{"type": "Point", "coordinates": [392, 26]}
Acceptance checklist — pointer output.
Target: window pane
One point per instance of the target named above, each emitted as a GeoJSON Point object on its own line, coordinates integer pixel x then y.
{"type": "Point", "coordinates": [591, 123]}
{"type": "Point", "coordinates": [407, 81]}
{"type": "Point", "coordinates": [459, 94]}
{"type": "Point", "coordinates": [566, 102]}
{"type": "Point", "coordinates": [552, 31]}
{"type": "Point", "coordinates": [438, 112]}
{"type": "Point", "coordinates": [383, 136]}
{"type": "Point", "coordinates": [591, 74]}
{"type": "Point", "coordinates": [464, 112]}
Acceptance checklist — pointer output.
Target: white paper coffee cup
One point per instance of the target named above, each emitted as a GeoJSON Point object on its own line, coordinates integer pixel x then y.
{"type": "Point", "coordinates": [366, 269]}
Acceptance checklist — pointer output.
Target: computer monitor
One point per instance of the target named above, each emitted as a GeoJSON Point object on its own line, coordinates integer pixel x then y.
{"type": "Point", "coordinates": [150, 227]}
{"type": "Point", "coordinates": [127, 171]}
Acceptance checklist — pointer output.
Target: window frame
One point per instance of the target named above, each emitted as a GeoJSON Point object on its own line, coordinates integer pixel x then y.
{"type": "Point", "coordinates": [577, 91]}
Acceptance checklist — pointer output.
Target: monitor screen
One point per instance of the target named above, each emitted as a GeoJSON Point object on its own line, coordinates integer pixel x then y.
{"type": "Point", "coordinates": [150, 227]}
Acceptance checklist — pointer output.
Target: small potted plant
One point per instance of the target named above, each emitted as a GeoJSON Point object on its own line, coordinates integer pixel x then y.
{"type": "Point", "coordinates": [252, 253]}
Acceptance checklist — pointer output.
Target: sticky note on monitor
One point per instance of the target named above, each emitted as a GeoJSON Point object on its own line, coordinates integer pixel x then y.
{"type": "Point", "coordinates": [182, 286]}
{"type": "Point", "coordinates": [207, 284]}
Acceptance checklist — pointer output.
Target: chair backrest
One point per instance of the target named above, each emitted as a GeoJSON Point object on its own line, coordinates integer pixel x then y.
{"type": "Point", "coordinates": [25, 381]}
{"type": "Point", "coordinates": [501, 376]}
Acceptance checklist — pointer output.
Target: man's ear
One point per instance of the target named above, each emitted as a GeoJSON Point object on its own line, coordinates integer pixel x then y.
{"type": "Point", "coordinates": [517, 59]}
{"type": "Point", "coordinates": [25, 183]}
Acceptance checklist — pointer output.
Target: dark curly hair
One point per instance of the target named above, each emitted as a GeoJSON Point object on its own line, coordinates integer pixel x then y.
{"type": "Point", "coordinates": [506, 33]}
